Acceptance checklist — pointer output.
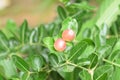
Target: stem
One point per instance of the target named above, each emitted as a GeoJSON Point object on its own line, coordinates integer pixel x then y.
{"type": "Point", "coordinates": [77, 66]}
{"type": "Point", "coordinates": [115, 64]}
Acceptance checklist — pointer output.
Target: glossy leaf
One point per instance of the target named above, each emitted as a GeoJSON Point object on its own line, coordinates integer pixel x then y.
{"type": "Point", "coordinates": [49, 42]}
{"type": "Point", "coordinates": [36, 63]}
{"type": "Point", "coordinates": [66, 72]}
{"type": "Point", "coordinates": [70, 23]}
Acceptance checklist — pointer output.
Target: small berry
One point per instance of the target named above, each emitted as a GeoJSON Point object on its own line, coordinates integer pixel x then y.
{"type": "Point", "coordinates": [68, 35]}
{"type": "Point", "coordinates": [60, 45]}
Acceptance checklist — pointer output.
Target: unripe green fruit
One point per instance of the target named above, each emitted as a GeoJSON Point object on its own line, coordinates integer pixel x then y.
{"type": "Point", "coordinates": [60, 45]}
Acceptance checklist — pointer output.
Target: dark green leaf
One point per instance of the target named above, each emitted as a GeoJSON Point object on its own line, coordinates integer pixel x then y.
{"type": "Point", "coordinates": [20, 63]}
{"type": "Point", "coordinates": [93, 60]}
{"type": "Point", "coordinates": [24, 32]}
{"type": "Point", "coordinates": [62, 13]}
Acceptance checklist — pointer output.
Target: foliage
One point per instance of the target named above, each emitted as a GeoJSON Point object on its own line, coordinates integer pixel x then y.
{"type": "Point", "coordinates": [29, 54]}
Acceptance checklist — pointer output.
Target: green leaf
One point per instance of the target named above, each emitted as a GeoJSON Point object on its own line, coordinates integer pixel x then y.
{"type": "Point", "coordinates": [70, 23]}
{"type": "Point", "coordinates": [25, 76]}
{"type": "Point", "coordinates": [49, 42]}
{"type": "Point", "coordinates": [42, 76]}
{"type": "Point", "coordinates": [62, 13]}
{"type": "Point", "coordinates": [7, 68]}
{"type": "Point", "coordinates": [93, 60]}
{"type": "Point", "coordinates": [3, 41]}
{"type": "Point", "coordinates": [110, 13]}
{"type": "Point", "coordinates": [13, 42]}
{"type": "Point", "coordinates": [23, 32]}
{"type": "Point", "coordinates": [10, 28]}
{"type": "Point", "coordinates": [114, 55]}
{"type": "Point", "coordinates": [84, 75]}
{"type": "Point", "coordinates": [89, 49]}
{"type": "Point", "coordinates": [100, 38]}
{"type": "Point", "coordinates": [117, 45]}
{"type": "Point", "coordinates": [66, 72]}
{"type": "Point", "coordinates": [36, 34]}
{"type": "Point", "coordinates": [53, 60]}
{"type": "Point", "coordinates": [83, 61]}
{"type": "Point", "coordinates": [104, 15]}
{"type": "Point", "coordinates": [78, 50]}
{"type": "Point", "coordinates": [116, 72]}
{"type": "Point", "coordinates": [101, 71]}
{"type": "Point", "coordinates": [36, 63]}
{"type": "Point", "coordinates": [20, 63]}
{"type": "Point", "coordinates": [81, 6]}
{"type": "Point", "coordinates": [104, 51]}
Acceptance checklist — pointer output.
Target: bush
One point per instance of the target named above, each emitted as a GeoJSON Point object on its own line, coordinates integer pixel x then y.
{"type": "Point", "coordinates": [29, 54]}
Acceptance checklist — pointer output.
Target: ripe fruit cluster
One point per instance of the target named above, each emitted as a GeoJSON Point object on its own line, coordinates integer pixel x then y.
{"type": "Point", "coordinates": [67, 35]}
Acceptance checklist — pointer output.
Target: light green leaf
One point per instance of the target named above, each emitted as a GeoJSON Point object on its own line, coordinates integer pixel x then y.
{"type": "Point", "coordinates": [110, 13]}
{"type": "Point", "coordinates": [49, 42]}
{"type": "Point", "coordinates": [7, 68]}
{"type": "Point", "coordinates": [70, 23]}
{"type": "Point", "coordinates": [116, 72]}
{"type": "Point", "coordinates": [37, 63]}
{"type": "Point", "coordinates": [101, 71]}
{"type": "Point", "coordinates": [25, 76]}
{"type": "Point", "coordinates": [84, 75]}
